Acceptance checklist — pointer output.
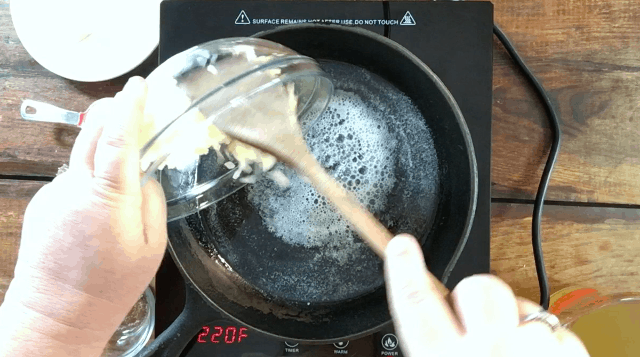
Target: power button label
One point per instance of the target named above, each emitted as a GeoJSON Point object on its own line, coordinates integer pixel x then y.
{"type": "Point", "coordinates": [389, 343]}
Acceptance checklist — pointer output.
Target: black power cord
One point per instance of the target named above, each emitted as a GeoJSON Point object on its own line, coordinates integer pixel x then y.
{"type": "Point", "coordinates": [543, 280]}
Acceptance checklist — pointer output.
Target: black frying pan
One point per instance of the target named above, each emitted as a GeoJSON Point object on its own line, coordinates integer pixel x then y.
{"type": "Point", "coordinates": [232, 261]}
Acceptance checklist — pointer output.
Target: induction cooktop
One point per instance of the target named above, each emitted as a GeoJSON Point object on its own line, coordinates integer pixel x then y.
{"type": "Point", "coordinates": [453, 38]}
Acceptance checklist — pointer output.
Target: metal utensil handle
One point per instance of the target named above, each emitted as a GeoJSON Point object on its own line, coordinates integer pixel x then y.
{"type": "Point", "coordinates": [45, 112]}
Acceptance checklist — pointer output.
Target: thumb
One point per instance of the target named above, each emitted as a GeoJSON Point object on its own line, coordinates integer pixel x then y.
{"type": "Point", "coordinates": [154, 220]}
{"type": "Point", "coordinates": [424, 321]}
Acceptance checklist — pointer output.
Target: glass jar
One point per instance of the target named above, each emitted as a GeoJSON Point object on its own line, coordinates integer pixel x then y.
{"type": "Point", "coordinates": [136, 329]}
{"type": "Point", "coordinates": [180, 148]}
{"type": "Point", "coordinates": [607, 324]}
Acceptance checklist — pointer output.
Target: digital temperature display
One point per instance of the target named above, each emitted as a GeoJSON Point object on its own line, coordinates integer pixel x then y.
{"type": "Point", "coordinates": [227, 339]}
{"type": "Point", "coordinates": [222, 334]}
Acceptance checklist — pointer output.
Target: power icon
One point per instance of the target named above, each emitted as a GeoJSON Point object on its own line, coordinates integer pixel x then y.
{"type": "Point", "coordinates": [389, 342]}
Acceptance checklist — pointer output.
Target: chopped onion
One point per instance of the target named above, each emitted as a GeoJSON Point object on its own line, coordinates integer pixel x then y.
{"type": "Point", "coordinates": [249, 179]}
{"type": "Point", "coordinates": [237, 173]}
{"type": "Point", "coordinates": [279, 178]}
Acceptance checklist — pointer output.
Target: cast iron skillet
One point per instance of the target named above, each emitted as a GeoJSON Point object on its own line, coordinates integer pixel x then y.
{"type": "Point", "coordinates": [211, 283]}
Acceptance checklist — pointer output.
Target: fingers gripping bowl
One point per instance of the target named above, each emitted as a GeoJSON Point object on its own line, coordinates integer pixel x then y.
{"type": "Point", "coordinates": [195, 162]}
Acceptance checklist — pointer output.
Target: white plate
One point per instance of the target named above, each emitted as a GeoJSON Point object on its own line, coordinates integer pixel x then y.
{"type": "Point", "coordinates": [88, 40]}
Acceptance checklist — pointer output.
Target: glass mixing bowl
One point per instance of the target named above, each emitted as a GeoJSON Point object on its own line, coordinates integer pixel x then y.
{"type": "Point", "coordinates": [188, 91]}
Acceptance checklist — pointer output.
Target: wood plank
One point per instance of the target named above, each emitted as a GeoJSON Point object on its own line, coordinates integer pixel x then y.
{"type": "Point", "coordinates": [586, 53]}
{"type": "Point", "coordinates": [38, 149]}
{"type": "Point", "coordinates": [582, 245]}
{"type": "Point", "coordinates": [14, 197]}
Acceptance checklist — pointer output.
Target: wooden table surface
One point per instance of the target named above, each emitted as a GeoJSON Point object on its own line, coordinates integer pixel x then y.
{"type": "Point", "coordinates": [585, 52]}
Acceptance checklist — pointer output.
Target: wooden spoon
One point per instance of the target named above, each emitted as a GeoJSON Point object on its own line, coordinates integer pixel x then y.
{"type": "Point", "coordinates": [274, 129]}
{"type": "Point", "coordinates": [280, 135]}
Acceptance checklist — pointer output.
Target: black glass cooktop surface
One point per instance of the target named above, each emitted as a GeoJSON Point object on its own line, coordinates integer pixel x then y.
{"type": "Point", "coordinates": [453, 38]}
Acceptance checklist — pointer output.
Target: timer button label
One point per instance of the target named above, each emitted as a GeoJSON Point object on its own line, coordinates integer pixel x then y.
{"type": "Point", "coordinates": [291, 347]}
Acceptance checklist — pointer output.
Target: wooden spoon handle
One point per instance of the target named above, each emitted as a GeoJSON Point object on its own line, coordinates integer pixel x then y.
{"type": "Point", "coordinates": [440, 287]}
{"type": "Point", "coordinates": [367, 226]}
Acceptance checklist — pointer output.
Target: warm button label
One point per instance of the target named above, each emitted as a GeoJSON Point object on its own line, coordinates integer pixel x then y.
{"type": "Point", "coordinates": [341, 348]}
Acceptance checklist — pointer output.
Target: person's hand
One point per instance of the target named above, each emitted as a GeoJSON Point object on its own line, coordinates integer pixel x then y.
{"type": "Point", "coordinates": [92, 239]}
{"type": "Point", "coordinates": [483, 322]}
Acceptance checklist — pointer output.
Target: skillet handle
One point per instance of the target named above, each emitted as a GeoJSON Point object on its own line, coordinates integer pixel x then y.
{"type": "Point", "coordinates": [175, 338]}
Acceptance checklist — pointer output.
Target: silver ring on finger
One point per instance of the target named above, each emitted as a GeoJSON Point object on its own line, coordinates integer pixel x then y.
{"type": "Point", "coordinates": [543, 316]}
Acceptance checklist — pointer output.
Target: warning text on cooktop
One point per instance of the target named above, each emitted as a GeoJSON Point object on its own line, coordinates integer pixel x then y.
{"type": "Point", "coordinates": [244, 19]}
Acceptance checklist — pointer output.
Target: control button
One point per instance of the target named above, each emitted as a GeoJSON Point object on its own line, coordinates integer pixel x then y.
{"type": "Point", "coordinates": [341, 344]}
{"type": "Point", "coordinates": [389, 342]}
{"type": "Point", "coordinates": [291, 344]}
